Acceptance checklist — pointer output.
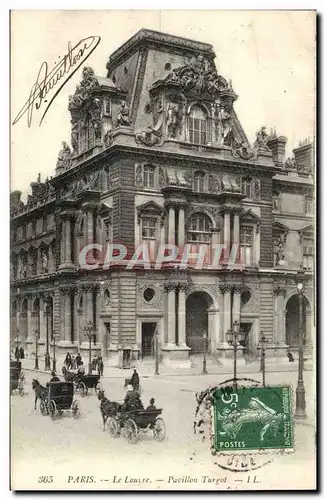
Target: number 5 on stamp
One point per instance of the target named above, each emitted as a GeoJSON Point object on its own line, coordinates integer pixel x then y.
{"type": "Point", "coordinates": [252, 418]}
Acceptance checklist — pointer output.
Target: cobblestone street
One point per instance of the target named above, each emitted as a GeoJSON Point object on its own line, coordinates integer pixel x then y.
{"type": "Point", "coordinates": [67, 449]}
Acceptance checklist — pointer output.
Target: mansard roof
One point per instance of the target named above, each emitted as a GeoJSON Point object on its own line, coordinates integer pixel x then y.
{"type": "Point", "coordinates": [155, 39]}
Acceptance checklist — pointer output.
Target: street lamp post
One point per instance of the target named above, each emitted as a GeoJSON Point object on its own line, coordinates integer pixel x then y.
{"type": "Point", "coordinates": [205, 348]}
{"type": "Point", "coordinates": [233, 336]}
{"type": "Point", "coordinates": [54, 362]}
{"type": "Point", "coordinates": [262, 347]}
{"type": "Point", "coordinates": [47, 360]}
{"type": "Point", "coordinates": [37, 334]}
{"type": "Point", "coordinates": [89, 333]}
{"type": "Point", "coordinates": [300, 410]}
{"type": "Point", "coordinates": [156, 353]}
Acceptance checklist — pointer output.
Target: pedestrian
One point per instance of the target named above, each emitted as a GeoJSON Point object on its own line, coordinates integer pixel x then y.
{"type": "Point", "coordinates": [78, 360]}
{"type": "Point", "coordinates": [17, 353]}
{"type": "Point", "coordinates": [21, 353]}
{"type": "Point", "coordinates": [68, 360]}
{"type": "Point", "coordinates": [73, 363]}
{"type": "Point", "coordinates": [100, 366]}
{"type": "Point", "coordinates": [94, 363]}
{"type": "Point", "coordinates": [135, 380]}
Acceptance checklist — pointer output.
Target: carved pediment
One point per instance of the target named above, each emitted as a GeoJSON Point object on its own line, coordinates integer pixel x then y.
{"type": "Point", "coordinates": [91, 182]}
{"type": "Point", "coordinates": [199, 76]}
{"type": "Point", "coordinates": [150, 208]}
{"type": "Point", "coordinates": [279, 228]}
{"type": "Point", "coordinates": [250, 216]}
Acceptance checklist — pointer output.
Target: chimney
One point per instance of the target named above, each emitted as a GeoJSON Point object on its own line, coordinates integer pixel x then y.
{"type": "Point", "coordinates": [303, 155]}
{"type": "Point", "coordinates": [277, 146]}
{"type": "Point", "coordinates": [15, 199]}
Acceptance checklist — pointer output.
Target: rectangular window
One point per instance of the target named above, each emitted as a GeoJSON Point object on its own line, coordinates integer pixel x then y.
{"type": "Point", "coordinates": [197, 131]}
{"type": "Point", "coordinates": [149, 228]}
{"type": "Point", "coordinates": [308, 252]}
{"type": "Point", "coordinates": [246, 244]}
{"type": "Point", "coordinates": [246, 187]}
{"type": "Point", "coordinates": [308, 206]}
{"type": "Point", "coordinates": [149, 176]}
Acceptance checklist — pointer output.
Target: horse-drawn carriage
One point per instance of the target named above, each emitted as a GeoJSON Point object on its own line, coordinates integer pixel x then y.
{"type": "Point", "coordinates": [59, 398]}
{"type": "Point", "coordinates": [83, 382]}
{"type": "Point", "coordinates": [17, 377]}
{"type": "Point", "coordinates": [132, 422]}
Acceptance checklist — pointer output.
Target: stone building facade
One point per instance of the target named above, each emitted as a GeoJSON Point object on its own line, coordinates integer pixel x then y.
{"type": "Point", "coordinates": [158, 155]}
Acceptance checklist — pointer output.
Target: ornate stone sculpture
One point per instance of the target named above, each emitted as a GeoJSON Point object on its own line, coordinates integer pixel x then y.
{"type": "Point", "coordinates": [280, 257]}
{"type": "Point", "coordinates": [123, 117]}
{"type": "Point", "coordinates": [64, 157]}
{"type": "Point", "coordinates": [149, 137]}
{"type": "Point", "coordinates": [88, 83]}
{"type": "Point", "coordinates": [244, 151]}
{"type": "Point", "coordinates": [214, 184]}
{"type": "Point", "coordinates": [223, 123]}
{"type": "Point", "coordinates": [290, 164]}
{"type": "Point", "coordinates": [262, 139]}
{"type": "Point", "coordinates": [172, 119]}
{"type": "Point", "coordinates": [44, 262]}
{"type": "Point", "coordinates": [74, 137]}
{"type": "Point", "coordinates": [200, 76]}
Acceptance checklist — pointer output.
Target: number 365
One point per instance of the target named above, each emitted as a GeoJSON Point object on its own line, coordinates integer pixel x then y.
{"type": "Point", "coordinates": [45, 479]}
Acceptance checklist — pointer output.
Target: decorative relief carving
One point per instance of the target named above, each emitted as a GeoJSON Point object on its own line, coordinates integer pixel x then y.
{"type": "Point", "coordinates": [200, 76]}
{"type": "Point", "coordinates": [280, 290]}
{"type": "Point", "coordinates": [161, 177]}
{"type": "Point", "coordinates": [243, 151]}
{"type": "Point", "coordinates": [157, 300]}
{"type": "Point", "coordinates": [214, 183]}
{"type": "Point", "coordinates": [151, 136]}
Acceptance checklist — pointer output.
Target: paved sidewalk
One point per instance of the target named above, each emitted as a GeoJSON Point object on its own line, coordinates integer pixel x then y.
{"type": "Point", "coordinates": [147, 368]}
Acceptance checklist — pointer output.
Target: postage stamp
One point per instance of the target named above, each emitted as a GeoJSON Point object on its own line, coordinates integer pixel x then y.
{"type": "Point", "coordinates": [252, 418]}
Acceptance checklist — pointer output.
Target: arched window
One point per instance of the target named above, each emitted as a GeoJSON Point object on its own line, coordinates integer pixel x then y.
{"type": "Point", "coordinates": [199, 229]}
{"type": "Point", "coordinates": [149, 176]}
{"type": "Point", "coordinates": [199, 178]}
{"type": "Point", "coordinates": [87, 135]}
{"type": "Point", "coordinates": [198, 126]}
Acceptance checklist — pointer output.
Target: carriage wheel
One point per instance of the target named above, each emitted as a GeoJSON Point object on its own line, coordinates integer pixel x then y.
{"type": "Point", "coordinates": [98, 387]}
{"type": "Point", "coordinates": [113, 427]}
{"type": "Point", "coordinates": [131, 431]}
{"type": "Point", "coordinates": [52, 409]}
{"type": "Point", "coordinates": [159, 429]}
{"type": "Point", "coordinates": [82, 389]}
{"type": "Point", "coordinates": [43, 408]}
{"type": "Point", "coordinates": [75, 409]}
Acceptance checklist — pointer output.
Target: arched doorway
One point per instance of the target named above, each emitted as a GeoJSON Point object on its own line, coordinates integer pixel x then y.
{"type": "Point", "coordinates": [292, 321]}
{"type": "Point", "coordinates": [197, 306]}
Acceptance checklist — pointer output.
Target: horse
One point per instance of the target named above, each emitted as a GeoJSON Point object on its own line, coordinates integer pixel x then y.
{"type": "Point", "coordinates": [41, 392]}
{"type": "Point", "coordinates": [68, 376]}
{"type": "Point", "coordinates": [108, 408]}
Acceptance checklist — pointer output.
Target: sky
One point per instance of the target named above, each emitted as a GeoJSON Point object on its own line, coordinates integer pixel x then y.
{"type": "Point", "coordinates": [268, 55]}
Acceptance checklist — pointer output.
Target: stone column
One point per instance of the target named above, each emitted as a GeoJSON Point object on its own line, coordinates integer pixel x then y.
{"type": "Point", "coordinates": [181, 228]}
{"type": "Point", "coordinates": [236, 228]}
{"type": "Point", "coordinates": [29, 323]}
{"type": "Point", "coordinates": [171, 237]}
{"type": "Point", "coordinates": [182, 314]}
{"type": "Point", "coordinates": [227, 309]}
{"type": "Point", "coordinates": [67, 315]}
{"type": "Point", "coordinates": [171, 289]}
{"type": "Point", "coordinates": [236, 303]}
{"type": "Point", "coordinates": [89, 209]}
{"type": "Point", "coordinates": [42, 320]}
{"type": "Point", "coordinates": [279, 315]}
{"type": "Point", "coordinates": [66, 244]}
{"type": "Point", "coordinates": [226, 235]}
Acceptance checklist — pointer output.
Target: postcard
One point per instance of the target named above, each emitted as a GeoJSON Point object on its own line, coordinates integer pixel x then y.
{"type": "Point", "coordinates": [162, 259]}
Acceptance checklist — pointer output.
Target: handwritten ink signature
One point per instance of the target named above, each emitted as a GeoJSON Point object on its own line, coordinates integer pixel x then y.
{"type": "Point", "coordinates": [46, 81]}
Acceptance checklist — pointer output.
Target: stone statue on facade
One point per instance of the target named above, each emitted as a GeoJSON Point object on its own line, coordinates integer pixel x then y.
{"type": "Point", "coordinates": [290, 164]}
{"type": "Point", "coordinates": [261, 140]}
{"type": "Point", "coordinates": [123, 117]}
{"type": "Point", "coordinates": [223, 123]}
{"type": "Point", "coordinates": [44, 262]}
{"type": "Point", "coordinates": [149, 137]}
{"type": "Point", "coordinates": [172, 119]}
{"type": "Point", "coordinates": [280, 256]}
{"type": "Point", "coordinates": [74, 137]}
{"type": "Point", "coordinates": [64, 156]}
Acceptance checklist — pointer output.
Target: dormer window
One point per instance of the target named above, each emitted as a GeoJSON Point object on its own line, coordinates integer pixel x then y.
{"type": "Point", "coordinates": [198, 126]}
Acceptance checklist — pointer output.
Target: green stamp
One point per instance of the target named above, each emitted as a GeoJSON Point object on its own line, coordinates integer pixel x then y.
{"type": "Point", "coordinates": [252, 418]}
